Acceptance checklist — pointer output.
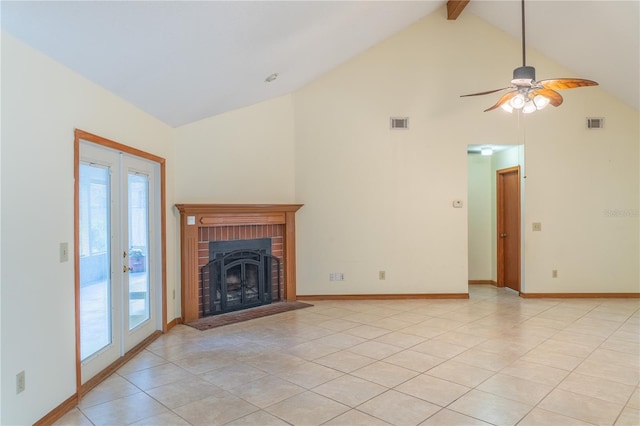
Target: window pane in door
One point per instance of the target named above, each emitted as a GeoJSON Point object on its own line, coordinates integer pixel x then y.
{"type": "Point", "coordinates": [138, 188]}
{"type": "Point", "coordinates": [95, 279]}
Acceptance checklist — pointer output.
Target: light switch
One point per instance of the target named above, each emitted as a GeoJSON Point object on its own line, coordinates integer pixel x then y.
{"type": "Point", "coordinates": [64, 252]}
{"type": "Point", "coordinates": [536, 226]}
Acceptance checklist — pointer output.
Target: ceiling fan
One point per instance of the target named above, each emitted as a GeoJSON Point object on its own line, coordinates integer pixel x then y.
{"type": "Point", "coordinates": [526, 93]}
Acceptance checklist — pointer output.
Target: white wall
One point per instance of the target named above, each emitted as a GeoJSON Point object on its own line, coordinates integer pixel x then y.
{"type": "Point", "coordinates": [243, 156]}
{"type": "Point", "coordinates": [42, 104]}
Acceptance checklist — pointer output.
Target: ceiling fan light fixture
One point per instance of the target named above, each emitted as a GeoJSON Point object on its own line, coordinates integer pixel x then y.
{"type": "Point", "coordinates": [517, 101]}
{"type": "Point", "coordinates": [505, 106]}
{"type": "Point", "coordinates": [540, 101]}
{"type": "Point", "coordinates": [529, 107]}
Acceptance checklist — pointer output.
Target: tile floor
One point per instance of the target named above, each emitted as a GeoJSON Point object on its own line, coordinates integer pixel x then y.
{"type": "Point", "coordinates": [493, 359]}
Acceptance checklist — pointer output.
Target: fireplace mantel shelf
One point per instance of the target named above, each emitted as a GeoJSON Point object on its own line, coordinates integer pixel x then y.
{"type": "Point", "coordinates": [237, 208]}
{"type": "Point", "coordinates": [196, 216]}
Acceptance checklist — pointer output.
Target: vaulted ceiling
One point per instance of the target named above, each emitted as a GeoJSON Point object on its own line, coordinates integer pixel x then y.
{"type": "Point", "coordinates": [182, 61]}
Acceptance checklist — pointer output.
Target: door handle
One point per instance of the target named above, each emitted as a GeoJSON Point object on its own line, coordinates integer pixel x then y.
{"type": "Point", "coordinates": [503, 235]}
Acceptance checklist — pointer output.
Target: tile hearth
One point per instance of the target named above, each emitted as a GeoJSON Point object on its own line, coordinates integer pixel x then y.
{"type": "Point", "coordinates": [492, 359]}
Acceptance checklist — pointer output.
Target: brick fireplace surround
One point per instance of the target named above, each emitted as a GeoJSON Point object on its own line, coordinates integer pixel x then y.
{"type": "Point", "coordinates": [202, 223]}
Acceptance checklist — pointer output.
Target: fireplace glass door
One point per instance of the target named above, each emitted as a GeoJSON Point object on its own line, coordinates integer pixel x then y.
{"type": "Point", "coordinates": [241, 284]}
{"type": "Point", "coordinates": [239, 279]}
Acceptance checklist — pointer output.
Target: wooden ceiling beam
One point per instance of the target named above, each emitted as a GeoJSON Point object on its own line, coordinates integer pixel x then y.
{"type": "Point", "coordinates": [455, 8]}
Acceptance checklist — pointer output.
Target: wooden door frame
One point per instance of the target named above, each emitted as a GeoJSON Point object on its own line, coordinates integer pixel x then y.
{"type": "Point", "coordinates": [500, 241]}
{"type": "Point", "coordinates": [81, 135]}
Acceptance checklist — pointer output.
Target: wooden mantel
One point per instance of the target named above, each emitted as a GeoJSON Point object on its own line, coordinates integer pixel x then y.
{"type": "Point", "coordinates": [195, 216]}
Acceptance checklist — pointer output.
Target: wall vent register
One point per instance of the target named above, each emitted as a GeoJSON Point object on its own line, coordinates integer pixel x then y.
{"type": "Point", "coordinates": [595, 122]}
{"type": "Point", "coordinates": [399, 123]}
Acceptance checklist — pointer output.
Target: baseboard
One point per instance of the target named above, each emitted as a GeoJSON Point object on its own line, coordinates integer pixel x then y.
{"type": "Point", "coordinates": [580, 295]}
{"type": "Point", "coordinates": [58, 412]}
{"type": "Point", "coordinates": [173, 323]}
{"type": "Point", "coordinates": [483, 282]}
{"type": "Point", "coordinates": [393, 296]}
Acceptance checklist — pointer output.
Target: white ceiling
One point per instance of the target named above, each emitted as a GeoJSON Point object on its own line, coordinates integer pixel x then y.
{"type": "Point", "coordinates": [182, 61]}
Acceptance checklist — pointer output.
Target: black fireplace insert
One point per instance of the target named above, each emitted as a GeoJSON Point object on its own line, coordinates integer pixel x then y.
{"type": "Point", "coordinates": [240, 274]}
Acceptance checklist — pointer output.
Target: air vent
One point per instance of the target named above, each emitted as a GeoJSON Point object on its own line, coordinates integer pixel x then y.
{"type": "Point", "coordinates": [595, 122]}
{"type": "Point", "coordinates": [399, 123]}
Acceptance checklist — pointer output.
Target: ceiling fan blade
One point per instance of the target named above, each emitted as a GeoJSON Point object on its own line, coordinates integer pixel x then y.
{"type": "Point", "coordinates": [505, 98]}
{"type": "Point", "coordinates": [566, 83]}
{"type": "Point", "coordinates": [554, 97]}
{"type": "Point", "coordinates": [485, 93]}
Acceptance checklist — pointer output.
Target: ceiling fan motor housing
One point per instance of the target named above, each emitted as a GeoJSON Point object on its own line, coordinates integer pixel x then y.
{"type": "Point", "coordinates": [524, 76]}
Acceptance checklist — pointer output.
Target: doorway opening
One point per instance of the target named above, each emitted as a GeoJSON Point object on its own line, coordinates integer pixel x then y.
{"type": "Point", "coordinates": [485, 266]}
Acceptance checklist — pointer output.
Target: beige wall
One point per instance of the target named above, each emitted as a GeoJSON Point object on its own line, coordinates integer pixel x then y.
{"type": "Point", "coordinates": [480, 208]}
{"type": "Point", "coordinates": [582, 185]}
{"type": "Point", "coordinates": [243, 156]}
{"type": "Point", "coordinates": [42, 104]}
{"type": "Point", "coordinates": [377, 199]}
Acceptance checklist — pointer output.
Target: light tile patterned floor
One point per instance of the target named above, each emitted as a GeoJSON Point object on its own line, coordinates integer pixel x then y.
{"type": "Point", "coordinates": [493, 359]}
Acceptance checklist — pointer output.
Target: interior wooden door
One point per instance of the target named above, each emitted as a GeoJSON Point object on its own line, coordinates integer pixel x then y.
{"type": "Point", "coordinates": [508, 226]}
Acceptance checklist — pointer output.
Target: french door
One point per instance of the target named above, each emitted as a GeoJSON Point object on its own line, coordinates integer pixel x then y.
{"type": "Point", "coordinates": [119, 253]}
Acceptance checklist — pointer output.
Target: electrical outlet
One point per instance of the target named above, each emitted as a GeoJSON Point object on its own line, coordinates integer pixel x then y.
{"type": "Point", "coordinates": [554, 273]}
{"type": "Point", "coordinates": [382, 275]}
{"type": "Point", "coordinates": [64, 252]}
{"type": "Point", "coordinates": [20, 382]}
{"type": "Point", "coordinates": [336, 276]}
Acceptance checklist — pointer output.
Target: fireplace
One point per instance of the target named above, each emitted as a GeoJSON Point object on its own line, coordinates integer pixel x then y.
{"type": "Point", "coordinates": [202, 223]}
{"type": "Point", "coordinates": [240, 274]}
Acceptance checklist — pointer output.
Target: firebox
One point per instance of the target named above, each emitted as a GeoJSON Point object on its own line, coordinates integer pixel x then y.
{"type": "Point", "coordinates": [240, 274]}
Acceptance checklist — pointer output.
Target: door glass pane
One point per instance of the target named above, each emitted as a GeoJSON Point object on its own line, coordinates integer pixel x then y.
{"type": "Point", "coordinates": [138, 189]}
{"type": "Point", "coordinates": [95, 280]}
